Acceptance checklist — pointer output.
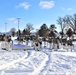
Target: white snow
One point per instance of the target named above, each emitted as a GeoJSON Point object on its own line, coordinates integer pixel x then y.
{"type": "Point", "coordinates": [43, 62]}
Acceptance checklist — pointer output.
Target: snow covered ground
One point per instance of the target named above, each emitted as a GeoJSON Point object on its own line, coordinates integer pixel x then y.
{"type": "Point", "coordinates": [43, 62]}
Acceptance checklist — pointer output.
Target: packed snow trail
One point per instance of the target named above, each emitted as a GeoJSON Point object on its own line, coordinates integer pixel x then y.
{"type": "Point", "coordinates": [13, 62]}
{"type": "Point", "coordinates": [43, 63]}
{"type": "Point", "coordinates": [36, 66]}
{"type": "Point", "coordinates": [61, 64]}
{"type": "Point", "coordinates": [41, 66]}
{"type": "Point", "coordinates": [47, 63]}
{"type": "Point", "coordinates": [7, 65]}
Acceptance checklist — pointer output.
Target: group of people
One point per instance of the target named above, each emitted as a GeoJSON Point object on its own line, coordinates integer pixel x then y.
{"type": "Point", "coordinates": [40, 42]}
{"type": "Point", "coordinates": [53, 43]}
{"type": "Point", "coordinates": [6, 40]}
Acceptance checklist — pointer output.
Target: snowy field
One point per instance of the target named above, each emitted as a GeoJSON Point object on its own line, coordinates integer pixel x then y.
{"type": "Point", "coordinates": [43, 62]}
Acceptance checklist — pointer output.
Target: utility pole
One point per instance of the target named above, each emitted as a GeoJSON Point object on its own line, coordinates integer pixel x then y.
{"type": "Point", "coordinates": [18, 28]}
{"type": "Point", "coordinates": [75, 23]}
{"type": "Point", "coordinates": [5, 28]}
{"type": "Point", "coordinates": [18, 25]}
{"type": "Point", "coordinates": [5, 31]}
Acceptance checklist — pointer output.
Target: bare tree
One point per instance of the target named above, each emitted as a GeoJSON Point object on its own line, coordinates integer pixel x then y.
{"type": "Point", "coordinates": [71, 21]}
{"type": "Point", "coordinates": [29, 27]}
{"type": "Point", "coordinates": [62, 23]}
{"type": "Point", "coordinates": [13, 31]}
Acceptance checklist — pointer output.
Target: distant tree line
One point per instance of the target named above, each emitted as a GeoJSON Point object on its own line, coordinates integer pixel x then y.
{"type": "Point", "coordinates": [66, 23]}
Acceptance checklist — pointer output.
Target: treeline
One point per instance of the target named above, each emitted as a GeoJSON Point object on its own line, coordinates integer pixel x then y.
{"type": "Point", "coordinates": [67, 24]}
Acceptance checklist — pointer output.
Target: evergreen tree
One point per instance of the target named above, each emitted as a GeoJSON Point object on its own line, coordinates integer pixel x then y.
{"type": "Point", "coordinates": [43, 31]}
{"type": "Point", "coordinates": [69, 32]}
